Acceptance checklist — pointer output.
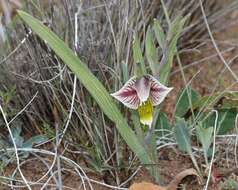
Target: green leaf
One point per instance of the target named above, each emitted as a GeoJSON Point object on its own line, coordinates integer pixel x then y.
{"type": "Point", "coordinates": [230, 184]}
{"type": "Point", "coordinates": [159, 33]}
{"type": "Point", "coordinates": [182, 135]}
{"type": "Point", "coordinates": [183, 139]}
{"type": "Point", "coordinates": [172, 38]}
{"type": "Point", "coordinates": [138, 58]}
{"type": "Point", "coordinates": [218, 101]}
{"type": "Point", "coordinates": [162, 126]}
{"type": "Point", "coordinates": [90, 82]}
{"type": "Point", "coordinates": [204, 135]}
{"type": "Point", "coordinates": [137, 126]}
{"type": "Point", "coordinates": [151, 53]}
{"type": "Point", "coordinates": [125, 72]}
{"type": "Point", "coordinates": [182, 101]}
{"type": "Point", "coordinates": [176, 27]}
{"type": "Point", "coordinates": [226, 120]}
{"type": "Point", "coordinates": [38, 139]}
{"type": "Point", "coordinates": [153, 148]}
{"type": "Point", "coordinates": [16, 131]}
{"type": "Point", "coordinates": [226, 100]}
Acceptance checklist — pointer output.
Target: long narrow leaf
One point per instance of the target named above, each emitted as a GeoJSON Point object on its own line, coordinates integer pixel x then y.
{"type": "Point", "coordinates": [151, 52]}
{"type": "Point", "coordinates": [183, 139]}
{"type": "Point", "coordinates": [159, 33]}
{"type": "Point", "coordinates": [138, 58]}
{"type": "Point", "coordinates": [172, 38]}
{"type": "Point", "coordinates": [90, 82]}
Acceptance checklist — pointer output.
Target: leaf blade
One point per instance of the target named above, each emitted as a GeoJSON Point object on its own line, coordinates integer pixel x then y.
{"type": "Point", "coordinates": [90, 82]}
{"type": "Point", "coordinates": [182, 135]}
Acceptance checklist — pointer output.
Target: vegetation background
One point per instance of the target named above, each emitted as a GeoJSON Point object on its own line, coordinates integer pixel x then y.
{"type": "Point", "coordinates": [40, 97]}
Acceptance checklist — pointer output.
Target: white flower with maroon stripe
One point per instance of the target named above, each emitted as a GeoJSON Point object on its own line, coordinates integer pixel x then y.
{"type": "Point", "coordinates": [142, 94]}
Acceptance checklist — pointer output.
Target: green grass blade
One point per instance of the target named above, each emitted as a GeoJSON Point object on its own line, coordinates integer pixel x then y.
{"type": "Point", "coordinates": [159, 33]}
{"type": "Point", "coordinates": [138, 58]}
{"type": "Point", "coordinates": [183, 138]}
{"type": "Point", "coordinates": [172, 38]}
{"type": "Point", "coordinates": [90, 82]}
{"type": "Point", "coordinates": [151, 52]}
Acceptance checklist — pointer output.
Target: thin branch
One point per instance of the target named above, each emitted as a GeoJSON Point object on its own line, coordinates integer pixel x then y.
{"type": "Point", "coordinates": [213, 149]}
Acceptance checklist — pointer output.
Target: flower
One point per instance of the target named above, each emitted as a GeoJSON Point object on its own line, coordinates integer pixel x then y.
{"type": "Point", "coordinates": [142, 94]}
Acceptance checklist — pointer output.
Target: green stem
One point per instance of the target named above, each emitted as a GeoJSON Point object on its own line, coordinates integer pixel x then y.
{"type": "Point", "coordinates": [139, 70]}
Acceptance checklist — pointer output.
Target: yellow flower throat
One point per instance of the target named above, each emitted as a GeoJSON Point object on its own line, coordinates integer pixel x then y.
{"type": "Point", "coordinates": [145, 111]}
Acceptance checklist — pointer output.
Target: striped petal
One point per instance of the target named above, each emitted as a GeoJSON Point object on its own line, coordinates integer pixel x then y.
{"type": "Point", "coordinates": [128, 94]}
{"type": "Point", "coordinates": [158, 92]}
{"type": "Point", "coordinates": [142, 87]}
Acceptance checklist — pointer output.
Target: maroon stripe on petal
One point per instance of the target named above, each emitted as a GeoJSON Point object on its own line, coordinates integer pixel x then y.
{"type": "Point", "coordinates": [127, 92]}
{"type": "Point", "coordinates": [128, 95]}
{"type": "Point", "coordinates": [158, 92]}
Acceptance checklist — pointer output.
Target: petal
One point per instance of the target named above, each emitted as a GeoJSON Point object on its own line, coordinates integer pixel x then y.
{"type": "Point", "coordinates": [128, 95]}
{"type": "Point", "coordinates": [145, 111]}
{"type": "Point", "coordinates": [158, 92]}
{"type": "Point", "coordinates": [142, 87]}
